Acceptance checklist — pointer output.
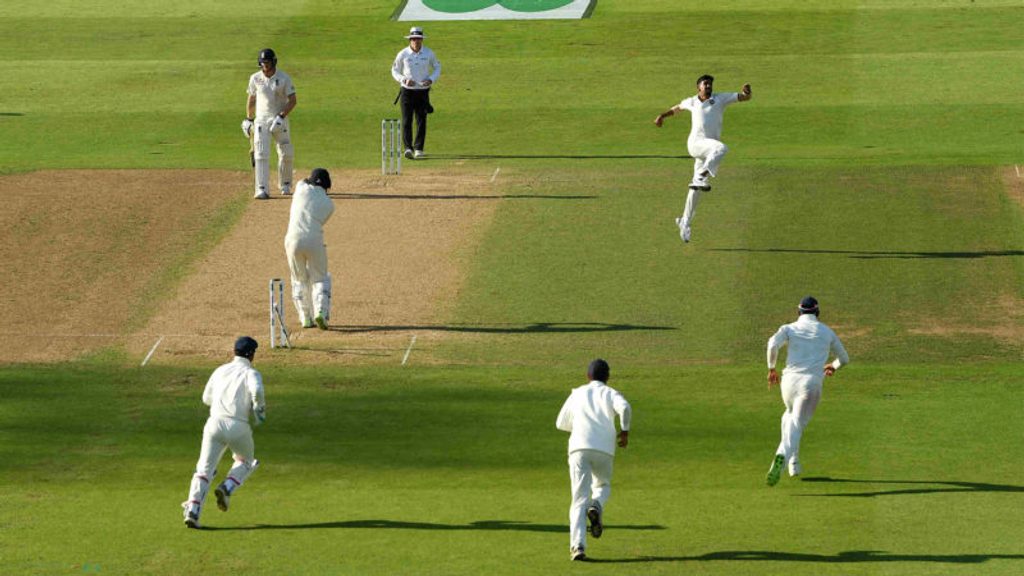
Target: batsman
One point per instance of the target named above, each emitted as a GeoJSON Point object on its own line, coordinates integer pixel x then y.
{"type": "Point", "coordinates": [271, 100]}
{"type": "Point", "coordinates": [307, 254]}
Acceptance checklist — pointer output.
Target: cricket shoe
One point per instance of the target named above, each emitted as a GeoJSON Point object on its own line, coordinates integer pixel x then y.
{"type": "Point", "coordinates": [286, 191]}
{"type": "Point", "coordinates": [684, 231]}
{"type": "Point", "coordinates": [795, 469]}
{"type": "Point", "coordinates": [594, 515]}
{"type": "Point", "coordinates": [223, 497]}
{"type": "Point", "coordinates": [775, 472]}
{"type": "Point", "coordinates": [261, 195]}
{"type": "Point", "coordinates": [577, 554]}
{"type": "Point", "coordinates": [321, 322]}
{"type": "Point", "coordinates": [418, 154]}
{"type": "Point", "coordinates": [307, 323]}
{"type": "Point", "coordinates": [408, 153]}
{"type": "Point", "coordinates": [191, 515]}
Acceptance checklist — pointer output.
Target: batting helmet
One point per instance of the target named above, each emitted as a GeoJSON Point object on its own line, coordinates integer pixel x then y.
{"type": "Point", "coordinates": [245, 347]}
{"type": "Point", "coordinates": [320, 177]}
{"type": "Point", "coordinates": [809, 305]}
{"type": "Point", "coordinates": [267, 55]}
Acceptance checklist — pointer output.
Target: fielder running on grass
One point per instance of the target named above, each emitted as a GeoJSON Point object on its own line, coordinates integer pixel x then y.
{"type": "Point", "coordinates": [271, 100]}
{"type": "Point", "coordinates": [233, 392]}
{"type": "Point", "coordinates": [704, 144]}
{"type": "Point", "coordinates": [589, 416]}
{"type": "Point", "coordinates": [810, 343]}
{"type": "Point", "coordinates": [307, 254]}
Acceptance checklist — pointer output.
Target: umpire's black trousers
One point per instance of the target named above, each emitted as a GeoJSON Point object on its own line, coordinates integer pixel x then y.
{"type": "Point", "coordinates": [414, 102]}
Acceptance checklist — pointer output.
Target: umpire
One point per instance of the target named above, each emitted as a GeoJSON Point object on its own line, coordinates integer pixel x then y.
{"type": "Point", "coordinates": [416, 69]}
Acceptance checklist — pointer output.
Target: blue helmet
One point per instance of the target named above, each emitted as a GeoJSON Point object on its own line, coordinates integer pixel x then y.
{"type": "Point", "coordinates": [267, 55]}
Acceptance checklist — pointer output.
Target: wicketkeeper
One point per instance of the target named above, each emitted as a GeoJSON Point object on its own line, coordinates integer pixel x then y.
{"type": "Point", "coordinates": [306, 251]}
{"type": "Point", "coordinates": [271, 100]}
{"type": "Point", "coordinates": [810, 343]}
{"type": "Point", "coordinates": [234, 393]}
{"type": "Point", "coordinates": [589, 417]}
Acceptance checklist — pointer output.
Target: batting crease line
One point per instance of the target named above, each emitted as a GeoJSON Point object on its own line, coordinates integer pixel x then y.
{"type": "Point", "coordinates": [151, 351]}
{"type": "Point", "coordinates": [498, 169]}
{"type": "Point", "coordinates": [409, 350]}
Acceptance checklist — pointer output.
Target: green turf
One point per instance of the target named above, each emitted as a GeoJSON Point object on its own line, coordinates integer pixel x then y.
{"type": "Point", "coordinates": [866, 170]}
{"type": "Point", "coordinates": [460, 471]}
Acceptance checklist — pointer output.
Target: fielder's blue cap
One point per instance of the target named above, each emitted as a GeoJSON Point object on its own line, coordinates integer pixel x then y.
{"type": "Point", "coordinates": [809, 305]}
{"type": "Point", "coordinates": [245, 346]}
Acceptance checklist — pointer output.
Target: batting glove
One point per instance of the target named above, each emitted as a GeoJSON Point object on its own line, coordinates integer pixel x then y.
{"type": "Point", "coordinates": [261, 414]}
{"type": "Point", "coordinates": [277, 125]}
{"type": "Point", "coordinates": [247, 127]}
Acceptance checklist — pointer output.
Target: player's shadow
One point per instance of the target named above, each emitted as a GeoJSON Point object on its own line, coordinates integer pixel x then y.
{"type": "Point", "coordinates": [553, 156]}
{"type": "Point", "coordinates": [498, 525]}
{"type": "Point", "coordinates": [12, 113]}
{"type": "Point", "coordinates": [531, 328]}
{"type": "Point", "coordinates": [880, 254]}
{"type": "Point", "coordinates": [847, 557]}
{"type": "Point", "coordinates": [368, 196]}
{"type": "Point", "coordinates": [914, 487]}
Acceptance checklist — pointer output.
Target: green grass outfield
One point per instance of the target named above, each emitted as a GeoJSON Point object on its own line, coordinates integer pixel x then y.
{"type": "Point", "coordinates": [867, 170]}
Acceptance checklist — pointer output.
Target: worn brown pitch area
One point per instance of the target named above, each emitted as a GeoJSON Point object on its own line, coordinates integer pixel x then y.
{"type": "Point", "coordinates": [398, 248]}
{"type": "Point", "coordinates": [81, 248]}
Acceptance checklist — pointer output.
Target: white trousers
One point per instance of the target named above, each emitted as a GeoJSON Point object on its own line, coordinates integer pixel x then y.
{"type": "Point", "coordinates": [707, 155]}
{"type": "Point", "coordinates": [307, 261]}
{"type": "Point", "coordinates": [261, 140]}
{"type": "Point", "coordinates": [590, 476]}
{"type": "Point", "coordinates": [801, 394]}
{"type": "Point", "coordinates": [219, 434]}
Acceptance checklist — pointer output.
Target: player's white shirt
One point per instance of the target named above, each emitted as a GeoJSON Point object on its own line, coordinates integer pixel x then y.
{"type": "Point", "coordinates": [311, 209]}
{"type": "Point", "coordinates": [234, 390]}
{"type": "Point", "coordinates": [271, 93]}
{"type": "Point", "coordinates": [416, 65]}
{"type": "Point", "coordinates": [810, 342]}
{"type": "Point", "coordinates": [707, 115]}
{"type": "Point", "coordinates": [589, 416]}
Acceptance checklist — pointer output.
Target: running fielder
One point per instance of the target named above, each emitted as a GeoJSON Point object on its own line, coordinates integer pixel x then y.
{"type": "Point", "coordinates": [704, 144]}
{"type": "Point", "coordinates": [233, 393]}
{"type": "Point", "coordinates": [810, 343]}
{"type": "Point", "coordinates": [271, 100]}
{"type": "Point", "coordinates": [307, 254]}
{"type": "Point", "coordinates": [589, 417]}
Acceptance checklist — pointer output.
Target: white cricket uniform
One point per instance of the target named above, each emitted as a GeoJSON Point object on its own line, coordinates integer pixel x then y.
{"type": "Point", "coordinates": [271, 98]}
{"type": "Point", "coordinates": [589, 416]}
{"type": "Point", "coordinates": [307, 255]}
{"type": "Point", "coordinates": [810, 343]}
{"type": "Point", "coordinates": [418, 66]}
{"type": "Point", "coordinates": [233, 392]}
{"type": "Point", "coordinates": [704, 142]}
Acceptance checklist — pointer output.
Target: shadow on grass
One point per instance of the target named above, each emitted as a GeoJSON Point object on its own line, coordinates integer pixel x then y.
{"type": "Point", "coordinates": [872, 255]}
{"type": "Point", "coordinates": [848, 557]}
{"type": "Point", "coordinates": [366, 196]}
{"type": "Point", "coordinates": [534, 328]}
{"type": "Point", "coordinates": [934, 487]}
{"type": "Point", "coordinates": [554, 156]}
{"type": "Point", "coordinates": [510, 525]}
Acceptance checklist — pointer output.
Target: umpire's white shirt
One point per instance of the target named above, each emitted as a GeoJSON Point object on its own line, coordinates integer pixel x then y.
{"type": "Point", "coordinates": [810, 343]}
{"type": "Point", "coordinates": [234, 390]}
{"type": "Point", "coordinates": [416, 65]}
{"type": "Point", "coordinates": [707, 115]}
{"type": "Point", "coordinates": [311, 209]}
{"type": "Point", "coordinates": [589, 416]}
{"type": "Point", "coordinates": [271, 93]}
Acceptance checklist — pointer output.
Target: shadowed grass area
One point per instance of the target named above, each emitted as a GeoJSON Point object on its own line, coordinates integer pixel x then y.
{"type": "Point", "coordinates": [388, 470]}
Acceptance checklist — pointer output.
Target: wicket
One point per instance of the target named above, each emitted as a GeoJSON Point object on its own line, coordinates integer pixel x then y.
{"type": "Point", "coordinates": [278, 332]}
{"type": "Point", "coordinates": [391, 146]}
